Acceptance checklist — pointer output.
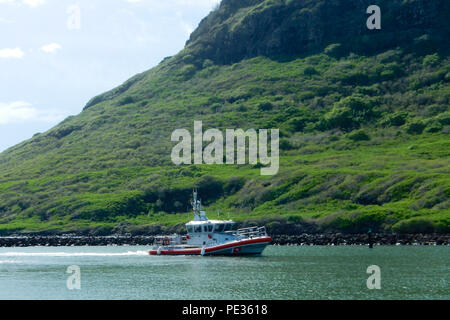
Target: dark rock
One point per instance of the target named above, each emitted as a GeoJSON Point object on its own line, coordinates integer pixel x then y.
{"type": "Point", "coordinates": [278, 29]}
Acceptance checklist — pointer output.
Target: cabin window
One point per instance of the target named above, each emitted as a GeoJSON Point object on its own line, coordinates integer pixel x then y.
{"type": "Point", "coordinates": [190, 229]}
{"type": "Point", "coordinates": [230, 227]}
{"type": "Point", "coordinates": [219, 227]}
{"type": "Point", "coordinates": [210, 227]}
{"type": "Point", "coordinates": [198, 228]}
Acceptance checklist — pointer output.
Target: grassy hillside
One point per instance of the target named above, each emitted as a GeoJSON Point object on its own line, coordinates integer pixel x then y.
{"type": "Point", "coordinates": [364, 135]}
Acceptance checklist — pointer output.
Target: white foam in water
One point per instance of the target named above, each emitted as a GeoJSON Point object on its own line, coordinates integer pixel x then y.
{"type": "Point", "coordinates": [72, 254]}
{"type": "Point", "coordinates": [8, 261]}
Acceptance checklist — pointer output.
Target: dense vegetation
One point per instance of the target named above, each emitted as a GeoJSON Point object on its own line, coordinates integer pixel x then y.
{"type": "Point", "coordinates": [364, 130]}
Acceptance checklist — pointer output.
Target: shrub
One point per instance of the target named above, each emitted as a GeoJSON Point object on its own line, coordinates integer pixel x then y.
{"type": "Point", "coordinates": [434, 126]}
{"type": "Point", "coordinates": [444, 118]}
{"type": "Point", "coordinates": [126, 100]}
{"type": "Point", "coordinates": [296, 124]}
{"type": "Point", "coordinates": [305, 95]}
{"type": "Point", "coordinates": [207, 63]}
{"type": "Point", "coordinates": [414, 226]}
{"type": "Point", "coordinates": [358, 135]}
{"type": "Point", "coordinates": [295, 219]}
{"type": "Point", "coordinates": [65, 130]}
{"type": "Point", "coordinates": [310, 71]}
{"type": "Point", "coordinates": [415, 127]}
{"type": "Point", "coordinates": [187, 71]}
{"type": "Point", "coordinates": [391, 71]}
{"type": "Point", "coordinates": [210, 188]}
{"type": "Point", "coordinates": [241, 108]}
{"type": "Point", "coordinates": [216, 107]}
{"type": "Point", "coordinates": [265, 106]}
{"type": "Point", "coordinates": [340, 117]}
{"type": "Point", "coordinates": [355, 78]}
{"type": "Point", "coordinates": [357, 103]}
{"type": "Point", "coordinates": [350, 112]}
{"type": "Point", "coordinates": [285, 144]}
{"type": "Point", "coordinates": [369, 91]}
{"type": "Point", "coordinates": [188, 59]}
{"type": "Point", "coordinates": [334, 50]}
{"type": "Point", "coordinates": [397, 119]}
{"type": "Point", "coordinates": [233, 185]}
{"type": "Point", "coordinates": [434, 110]}
{"type": "Point", "coordinates": [431, 60]}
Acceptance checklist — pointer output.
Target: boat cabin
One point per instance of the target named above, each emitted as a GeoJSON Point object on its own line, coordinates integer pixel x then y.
{"type": "Point", "coordinates": [202, 231]}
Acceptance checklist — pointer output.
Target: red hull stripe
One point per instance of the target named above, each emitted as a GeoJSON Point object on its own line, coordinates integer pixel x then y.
{"type": "Point", "coordinates": [213, 249]}
{"type": "Point", "coordinates": [239, 243]}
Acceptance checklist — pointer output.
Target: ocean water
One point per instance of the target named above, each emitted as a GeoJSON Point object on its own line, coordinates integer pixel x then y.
{"type": "Point", "coordinates": [291, 273]}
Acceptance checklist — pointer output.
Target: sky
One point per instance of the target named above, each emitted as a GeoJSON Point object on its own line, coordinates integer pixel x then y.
{"type": "Point", "coordinates": [55, 55]}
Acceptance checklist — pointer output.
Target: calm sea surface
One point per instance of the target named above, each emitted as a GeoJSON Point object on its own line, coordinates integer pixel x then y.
{"type": "Point", "coordinates": [303, 272]}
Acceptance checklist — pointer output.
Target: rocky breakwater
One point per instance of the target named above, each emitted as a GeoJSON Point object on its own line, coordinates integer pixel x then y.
{"type": "Point", "coordinates": [322, 239]}
{"type": "Point", "coordinates": [69, 240]}
{"type": "Point", "coordinates": [362, 239]}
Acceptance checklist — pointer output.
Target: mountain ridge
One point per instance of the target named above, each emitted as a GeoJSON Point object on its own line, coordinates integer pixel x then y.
{"type": "Point", "coordinates": [287, 28]}
{"type": "Point", "coordinates": [234, 48]}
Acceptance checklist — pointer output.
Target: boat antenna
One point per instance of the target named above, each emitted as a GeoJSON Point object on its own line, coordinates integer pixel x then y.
{"type": "Point", "coordinates": [195, 203]}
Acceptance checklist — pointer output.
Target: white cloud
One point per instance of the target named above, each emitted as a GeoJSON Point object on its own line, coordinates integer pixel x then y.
{"type": "Point", "coordinates": [16, 53]}
{"type": "Point", "coordinates": [51, 47]}
{"type": "Point", "coordinates": [21, 112]}
{"type": "Point", "coordinates": [30, 3]}
{"type": "Point", "coordinates": [3, 20]}
{"type": "Point", "coordinates": [17, 111]}
{"type": "Point", "coordinates": [199, 2]}
{"type": "Point", "coordinates": [191, 3]}
{"type": "Point", "coordinates": [33, 3]}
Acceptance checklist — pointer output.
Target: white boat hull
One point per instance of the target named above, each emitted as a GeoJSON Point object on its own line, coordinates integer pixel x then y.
{"type": "Point", "coordinates": [253, 246]}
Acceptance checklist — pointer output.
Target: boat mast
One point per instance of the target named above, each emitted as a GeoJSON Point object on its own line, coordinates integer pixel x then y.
{"type": "Point", "coordinates": [196, 204]}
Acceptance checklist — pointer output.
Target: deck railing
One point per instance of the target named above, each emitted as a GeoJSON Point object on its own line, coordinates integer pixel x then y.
{"type": "Point", "coordinates": [243, 233]}
{"type": "Point", "coordinates": [251, 232]}
{"type": "Point", "coordinates": [170, 240]}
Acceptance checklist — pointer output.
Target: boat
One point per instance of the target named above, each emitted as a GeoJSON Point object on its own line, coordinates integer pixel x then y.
{"type": "Point", "coordinates": [212, 237]}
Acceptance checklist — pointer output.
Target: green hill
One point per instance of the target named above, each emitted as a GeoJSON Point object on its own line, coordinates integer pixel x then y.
{"type": "Point", "coordinates": [363, 116]}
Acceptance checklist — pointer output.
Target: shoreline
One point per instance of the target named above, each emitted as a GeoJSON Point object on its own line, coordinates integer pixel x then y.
{"type": "Point", "coordinates": [302, 239]}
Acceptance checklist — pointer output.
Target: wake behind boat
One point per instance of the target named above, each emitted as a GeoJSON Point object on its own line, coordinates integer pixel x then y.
{"type": "Point", "coordinates": [212, 237]}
